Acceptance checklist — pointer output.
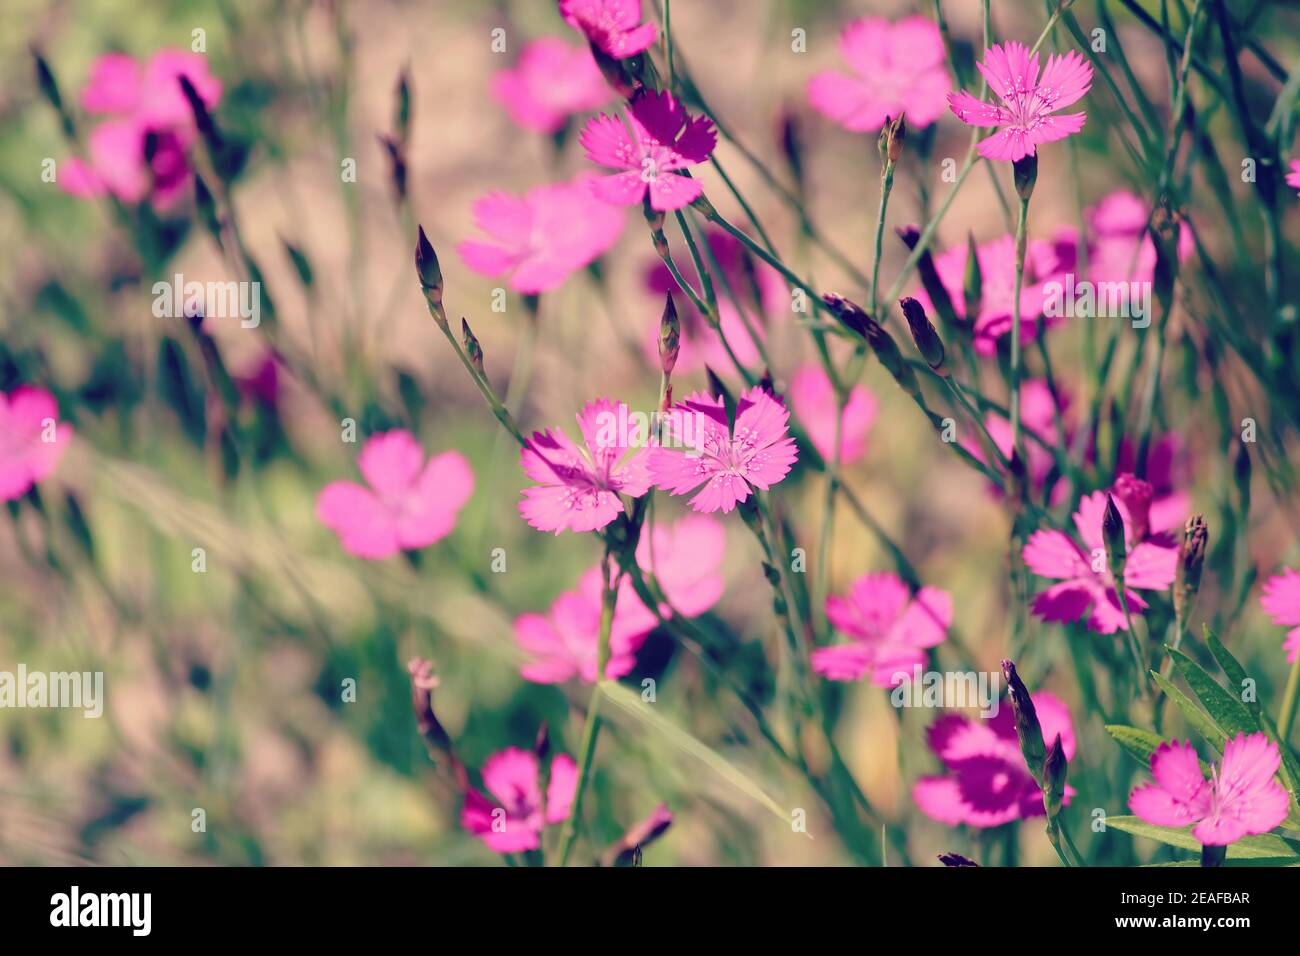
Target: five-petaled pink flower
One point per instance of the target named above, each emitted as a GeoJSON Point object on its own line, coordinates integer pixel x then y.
{"type": "Point", "coordinates": [141, 152]}
{"type": "Point", "coordinates": [551, 81]}
{"type": "Point", "coordinates": [612, 25]}
{"type": "Point", "coordinates": [890, 627]}
{"type": "Point", "coordinates": [700, 449]}
{"type": "Point", "coordinates": [1087, 586]}
{"type": "Point", "coordinates": [1028, 100]}
{"type": "Point", "coordinates": [812, 396]}
{"type": "Point", "coordinates": [565, 643]}
{"type": "Point", "coordinates": [663, 140]}
{"type": "Point", "coordinates": [513, 820]}
{"type": "Point", "coordinates": [1241, 798]}
{"type": "Point", "coordinates": [578, 488]}
{"type": "Point", "coordinates": [1293, 177]}
{"type": "Point", "coordinates": [990, 784]}
{"type": "Point", "coordinates": [409, 503]}
{"type": "Point", "coordinates": [1281, 602]}
{"type": "Point", "coordinates": [897, 68]}
{"type": "Point", "coordinates": [32, 439]}
{"type": "Point", "coordinates": [540, 238]}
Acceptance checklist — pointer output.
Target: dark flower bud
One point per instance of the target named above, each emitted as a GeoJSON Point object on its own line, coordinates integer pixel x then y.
{"type": "Point", "coordinates": [423, 683]}
{"type": "Point", "coordinates": [1191, 561]}
{"type": "Point", "coordinates": [1112, 534]}
{"type": "Point", "coordinates": [930, 281]}
{"type": "Point", "coordinates": [895, 134]}
{"type": "Point", "coordinates": [1025, 173]}
{"type": "Point", "coordinates": [473, 350]}
{"type": "Point", "coordinates": [1028, 731]}
{"type": "Point", "coordinates": [426, 265]}
{"type": "Point", "coordinates": [670, 333]}
{"type": "Point", "coordinates": [1055, 767]}
{"type": "Point", "coordinates": [956, 859]}
{"type": "Point", "coordinates": [924, 335]}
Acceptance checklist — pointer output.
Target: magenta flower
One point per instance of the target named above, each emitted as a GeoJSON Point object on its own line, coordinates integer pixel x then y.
{"type": "Point", "coordinates": [1028, 100]}
{"type": "Point", "coordinates": [513, 820]}
{"type": "Point", "coordinates": [1120, 248]}
{"type": "Point", "coordinates": [409, 503]}
{"type": "Point", "coordinates": [1167, 467]}
{"type": "Point", "coordinates": [551, 82]}
{"type": "Point", "coordinates": [1038, 410]}
{"type": "Point", "coordinates": [890, 627]}
{"type": "Point", "coordinates": [1293, 177]}
{"type": "Point", "coordinates": [578, 488]}
{"type": "Point", "coordinates": [146, 104]}
{"type": "Point", "coordinates": [32, 439]}
{"type": "Point", "coordinates": [1087, 587]}
{"type": "Point", "coordinates": [700, 344]}
{"type": "Point", "coordinates": [685, 559]}
{"type": "Point", "coordinates": [1045, 262]}
{"type": "Point", "coordinates": [699, 449]}
{"type": "Point", "coordinates": [1241, 798]}
{"type": "Point", "coordinates": [612, 25]}
{"type": "Point", "coordinates": [813, 399]}
{"type": "Point", "coordinates": [663, 140]}
{"type": "Point", "coordinates": [565, 643]}
{"type": "Point", "coordinates": [540, 238]}
{"type": "Point", "coordinates": [897, 68]}
{"type": "Point", "coordinates": [1281, 602]}
{"type": "Point", "coordinates": [989, 784]}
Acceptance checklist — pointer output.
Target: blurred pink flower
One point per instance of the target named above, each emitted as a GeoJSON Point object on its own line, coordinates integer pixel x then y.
{"type": "Point", "coordinates": [540, 238]}
{"type": "Point", "coordinates": [989, 784]}
{"type": "Point", "coordinates": [663, 140]}
{"type": "Point", "coordinates": [1293, 177]}
{"type": "Point", "coordinates": [1281, 602]}
{"type": "Point", "coordinates": [32, 439]}
{"type": "Point", "coordinates": [747, 277]}
{"type": "Point", "coordinates": [1044, 262]}
{"type": "Point", "coordinates": [1241, 798]}
{"type": "Point", "coordinates": [890, 627]}
{"type": "Point", "coordinates": [897, 68]}
{"type": "Point", "coordinates": [1167, 468]}
{"type": "Point", "coordinates": [579, 488]}
{"type": "Point", "coordinates": [1038, 408]}
{"type": "Point", "coordinates": [1028, 100]}
{"type": "Point", "coordinates": [759, 453]}
{"type": "Point", "coordinates": [611, 25]}
{"type": "Point", "coordinates": [812, 398]}
{"type": "Point", "coordinates": [551, 81]}
{"type": "Point", "coordinates": [685, 559]}
{"type": "Point", "coordinates": [409, 503]}
{"type": "Point", "coordinates": [513, 821]}
{"type": "Point", "coordinates": [1120, 248]}
{"type": "Point", "coordinates": [564, 643]}
{"type": "Point", "coordinates": [142, 151]}
{"type": "Point", "coordinates": [1152, 560]}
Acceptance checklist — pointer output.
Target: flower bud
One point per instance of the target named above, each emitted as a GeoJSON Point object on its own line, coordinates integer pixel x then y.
{"type": "Point", "coordinates": [1025, 173]}
{"type": "Point", "coordinates": [396, 165]}
{"type": "Point", "coordinates": [542, 743]}
{"type": "Point", "coordinates": [1112, 534]}
{"type": "Point", "coordinates": [1028, 731]}
{"type": "Point", "coordinates": [956, 859]}
{"type": "Point", "coordinates": [423, 682]}
{"type": "Point", "coordinates": [930, 281]}
{"type": "Point", "coordinates": [1191, 561]}
{"type": "Point", "coordinates": [1055, 767]}
{"type": "Point", "coordinates": [926, 338]}
{"type": "Point", "coordinates": [895, 134]}
{"type": "Point", "coordinates": [972, 281]}
{"type": "Point", "coordinates": [882, 343]}
{"type": "Point", "coordinates": [426, 266]}
{"type": "Point", "coordinates": [473, 350]}
{"type": "Point", "coordinates": [670, 334]}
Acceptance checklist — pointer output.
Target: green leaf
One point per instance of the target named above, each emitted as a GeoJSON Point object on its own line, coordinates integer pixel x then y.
{"type": "Point", "coordinates": [1225, 709]}
{"type": "Point", "coordinates": [1201, 723]}
{"type": "Point", "coordinates": [1140, 744]}
{"type": "Point", "coordinates": [632, 705]}
{"type": "Point", "coordinates": [1261, 847]}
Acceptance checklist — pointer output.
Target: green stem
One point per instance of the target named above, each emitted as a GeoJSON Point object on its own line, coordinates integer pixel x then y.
{"type": "Point", "coordinates": [1286, 716]}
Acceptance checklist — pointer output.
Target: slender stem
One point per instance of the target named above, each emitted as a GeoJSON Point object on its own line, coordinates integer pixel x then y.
{"type": "Point", "coordinates": [886, 186]}
{"type": "Point", "coordinates": [1022, 223]}
{"type": "Point", "coordinates": [1286, 716]}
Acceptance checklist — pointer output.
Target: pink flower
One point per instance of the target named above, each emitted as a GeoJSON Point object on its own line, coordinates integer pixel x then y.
{"type": "Point", "coordinates": [541, 237]}
{"type": "Point", "coordinates": [1281, 602]}
{"type": "Point", "coordinates": [150, 115]}
{"type": "Point", "coordinates": [1293, 177]}
{"type": "Point", "coordinates": [1241, 798]}
{"type": "Point", "coordinates": [685, 560]}
{"type": "Point", "coordinates": [989, 784]}
{"type": "Point", "coordinates": [758, 453]}
{"type": "Point", "coordinates": [611, 25]}
{"type": "Point", "coordinates": [700, 344]}
{"type": "Point", "coordinates": [890, 627]}
{"type": "Point", "coordinates": [1151, 563]}
{"type": "Point", "coordinates": [551, 81]}
{"type": "Point", "coordinates": [813, 399]}
{"type": "Point", "coordinates": [565, 642]}
{"type": "Point", "coordinates": [897, 68]}
{"type": "Point", "coordinates": [32, 439]}
{"type": "Point", "coordinates": [1038, 409]}
{"type": "Point", "coordinates": [1028, 100]}
{"type": "Point", "coordinates": [410, 503]}
{"type": "Point", "coordinates": [1044, 262]}
{"type": "Point", "coordinates": [578, 488]}
{"type": "Point", "coordinates": [513, 821]}
{"type": "Point", "coordinates": [663, 140]}
{"type": "Point", "coordinates": [1167, 467]}
{"type": "Point", "coordinates": [1120, 248]}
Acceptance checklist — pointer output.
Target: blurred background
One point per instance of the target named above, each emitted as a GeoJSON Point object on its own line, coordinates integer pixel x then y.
{"type": "Point", "coordinates": [223, 686]}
